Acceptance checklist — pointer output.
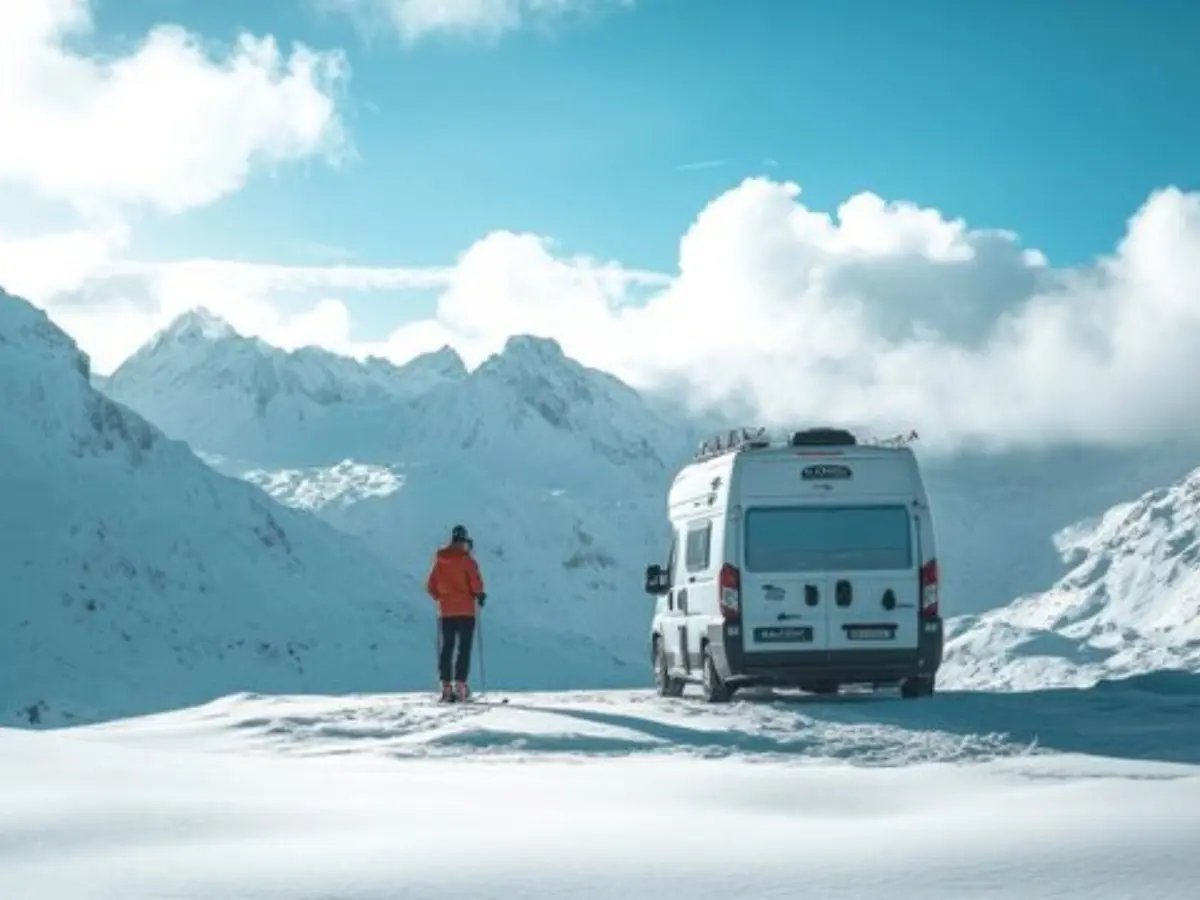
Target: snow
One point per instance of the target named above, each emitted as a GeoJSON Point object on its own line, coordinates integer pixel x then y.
{"type": "Point", "coordinates": [1129, 604]}
{"type": "Point", "coordinates": [589, 795]}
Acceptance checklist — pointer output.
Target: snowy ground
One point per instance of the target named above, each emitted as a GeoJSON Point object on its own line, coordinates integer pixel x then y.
{"type": "Point", "coordinates": [1060, 794]}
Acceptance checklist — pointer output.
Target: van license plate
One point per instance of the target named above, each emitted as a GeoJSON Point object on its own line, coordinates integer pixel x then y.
{"type": "Point", "coordinates": [870, 634]}
{"type": "Point", "coordinates": [798, 634]}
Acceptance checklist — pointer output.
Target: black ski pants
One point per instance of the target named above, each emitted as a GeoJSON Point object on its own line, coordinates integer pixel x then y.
{"type": "Point", "coordinates": [460, 630]}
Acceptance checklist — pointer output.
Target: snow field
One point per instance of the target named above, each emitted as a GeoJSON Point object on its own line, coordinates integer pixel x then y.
{"type": "Point", "coordinates": [206, 803]}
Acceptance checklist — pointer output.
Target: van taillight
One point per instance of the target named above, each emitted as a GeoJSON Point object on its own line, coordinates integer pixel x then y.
{"type": "Point", "coordinates": [730, 581]}
{"type": "Point", "coordinates": [929, 590]}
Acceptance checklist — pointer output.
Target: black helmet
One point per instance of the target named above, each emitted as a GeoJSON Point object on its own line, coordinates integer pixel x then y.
{"type": "Point", "coordinates": [459, 535]}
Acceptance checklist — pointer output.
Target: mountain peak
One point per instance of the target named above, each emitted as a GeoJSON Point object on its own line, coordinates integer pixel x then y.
{"type": "Point", "coordinates": [533, 364]}
{"type": "Point", "coordinates": [444, 360]}
{"type": "Point", "coordinates": [530, 348]}
{"type": "Point", "coordinates": [199, 323]}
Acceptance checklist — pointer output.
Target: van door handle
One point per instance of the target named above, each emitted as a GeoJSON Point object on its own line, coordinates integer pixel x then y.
{"type": "Point", "coordinates": [811, 595]}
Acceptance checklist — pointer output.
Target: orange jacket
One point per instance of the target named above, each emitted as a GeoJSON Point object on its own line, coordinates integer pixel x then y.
{"type": "Point", "coordinates": [454, 582]}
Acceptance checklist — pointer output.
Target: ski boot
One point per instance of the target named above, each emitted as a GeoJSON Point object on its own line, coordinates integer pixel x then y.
{"type": "Point", "coordinates": [462, 692]}
{"type": "Point", "coordinates": [447, 693]}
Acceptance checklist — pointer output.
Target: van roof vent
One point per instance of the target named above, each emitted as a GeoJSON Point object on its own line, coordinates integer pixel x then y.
{"type": "Point", "coordinates": [822, 437]}
{"type": "Point", "coordinates": [737, 439]}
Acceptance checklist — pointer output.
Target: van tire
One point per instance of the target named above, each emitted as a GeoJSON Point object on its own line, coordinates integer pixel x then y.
{"type": "Point", "coordinates": [822, 688]}
{"type": "Point", "coordinates": [664, 684]}
{"type": "Point", "coordinates": [917, 686]}
{"type": "Point", "coordinates": [715, 690]}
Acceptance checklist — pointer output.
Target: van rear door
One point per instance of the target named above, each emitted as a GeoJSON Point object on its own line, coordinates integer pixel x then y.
{"type": "Point", "coordinates": [783, 598]}
{"type": "Point", "coordinates": [873, 575]}
{"type": "Point", "coordinates": [845, 575]}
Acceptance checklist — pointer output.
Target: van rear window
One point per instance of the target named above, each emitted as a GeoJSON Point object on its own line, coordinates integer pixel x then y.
{"type": "Point", "coordinates": [819, 539]}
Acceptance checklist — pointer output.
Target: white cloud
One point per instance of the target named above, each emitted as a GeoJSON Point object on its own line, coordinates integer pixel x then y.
{"type": "Point", "coordinates": [888, 316]}
{"type": "Point", "coordinates": [112, 306]}
{"type": "Point", "coordinates": [170, 125]}
{"type": "Point", "coordinates": [49, 264]}
{"type": "Point", "coordinates": [884, 315]}
{"type": "Point", "coordinates": [487, 20]}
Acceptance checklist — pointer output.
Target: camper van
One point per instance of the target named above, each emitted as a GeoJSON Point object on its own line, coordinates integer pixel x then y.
{"type": "Point", "coordinates": [805, 560]}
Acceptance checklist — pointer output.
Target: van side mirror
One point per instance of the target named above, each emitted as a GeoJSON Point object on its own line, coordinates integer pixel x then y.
{"type": "Point", "coordinates": [658, 581]}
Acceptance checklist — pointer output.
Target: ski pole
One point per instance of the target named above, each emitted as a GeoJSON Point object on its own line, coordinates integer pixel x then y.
{"type": "Point", "coordinates": [437, 648]}
{"type": "Point", "coordinates": [482, 662]}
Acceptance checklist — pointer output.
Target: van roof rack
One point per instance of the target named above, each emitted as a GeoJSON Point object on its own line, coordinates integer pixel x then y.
{"type": "Point", "coordinates": [734, 440]}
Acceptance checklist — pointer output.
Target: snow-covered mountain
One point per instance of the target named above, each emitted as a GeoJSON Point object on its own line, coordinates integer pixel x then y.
{"type": "Point", "coordinates": [202, 382]}
{"type": "Point", "coordinates": [1129, 604]}
{"type": "Point", "coordinates": [559, 471]}
{"type": "Point", "coordinates": [134, 577]}
{"type": "Point", "coordinates": [997, 515]}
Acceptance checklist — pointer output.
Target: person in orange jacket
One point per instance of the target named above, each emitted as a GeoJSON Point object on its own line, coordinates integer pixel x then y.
{"type": "Point", "coordinates": [456, 586]}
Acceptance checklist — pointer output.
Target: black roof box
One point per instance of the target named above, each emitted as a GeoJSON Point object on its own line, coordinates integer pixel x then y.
{"type": "Point", "coordinates": [823, 437]}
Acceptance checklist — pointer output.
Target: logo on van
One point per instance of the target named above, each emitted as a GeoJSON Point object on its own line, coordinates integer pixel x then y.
{"type": "Point", "coordinates": [825, 472]}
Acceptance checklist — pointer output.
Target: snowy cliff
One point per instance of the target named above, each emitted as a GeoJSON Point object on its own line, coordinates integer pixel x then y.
{"type": "Point", "coordinates": [1129, 604]}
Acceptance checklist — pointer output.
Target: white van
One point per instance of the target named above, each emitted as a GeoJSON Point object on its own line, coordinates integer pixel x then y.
{"type": "Point", "coordinates": [806, 561]}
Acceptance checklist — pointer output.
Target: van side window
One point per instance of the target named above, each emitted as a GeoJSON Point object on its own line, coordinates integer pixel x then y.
{"type": "Point", "coordinates": [699, 538]}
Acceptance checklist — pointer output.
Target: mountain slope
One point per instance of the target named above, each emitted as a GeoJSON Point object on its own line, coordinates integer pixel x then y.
{"type": "Point", "coordinates": [997, 515]}
{"type": "Point", "coordinates": [202, 382]}
{"type": "Point", "coordinates": [137, 578]}
{"type": "Point", "coordinates": [1130, 603]}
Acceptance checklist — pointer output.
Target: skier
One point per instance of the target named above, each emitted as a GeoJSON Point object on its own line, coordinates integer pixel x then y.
{"type": "Point", "coordinates": [456, 586]}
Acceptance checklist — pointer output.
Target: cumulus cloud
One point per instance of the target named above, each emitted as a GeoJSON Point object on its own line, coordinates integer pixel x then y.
{"type": "Point", "coordinates": [886, 316]}
{"type": "Point", "coordinates": [171, 125]}
{"type": "Point", "coordinates": [487, 20]}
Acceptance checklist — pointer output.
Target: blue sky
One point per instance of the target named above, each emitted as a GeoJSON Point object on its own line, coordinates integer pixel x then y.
{"type": "Point", "coordinates": [1054, 120]}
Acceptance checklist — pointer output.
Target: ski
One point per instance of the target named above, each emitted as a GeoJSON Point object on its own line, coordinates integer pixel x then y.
{"type": "Point", "coordinates": [482, 699]}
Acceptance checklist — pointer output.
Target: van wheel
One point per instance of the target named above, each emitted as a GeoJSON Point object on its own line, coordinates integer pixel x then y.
{"type": "Point", "coordinates": [663, 682]}
{"type": "Point", "coordinates": [715, 690]}
{"type": "Point", "coordinates": [917, 686]}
